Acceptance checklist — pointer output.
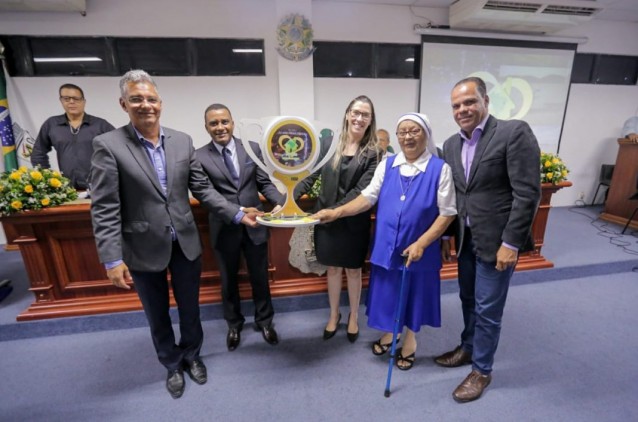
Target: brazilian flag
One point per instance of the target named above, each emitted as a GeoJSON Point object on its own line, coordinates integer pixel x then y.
{"type": "Point", "coordinates": [6, 128]}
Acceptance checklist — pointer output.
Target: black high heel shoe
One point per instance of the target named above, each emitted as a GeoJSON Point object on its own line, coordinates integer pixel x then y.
{"type": "Point", "coordinates": [327, 334]}
{"type": "Point", "coordinates": [352, 337]}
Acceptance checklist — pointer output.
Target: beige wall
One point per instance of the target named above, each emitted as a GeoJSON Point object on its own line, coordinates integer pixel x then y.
{"type": "Point", "coordinates": [594, 115]}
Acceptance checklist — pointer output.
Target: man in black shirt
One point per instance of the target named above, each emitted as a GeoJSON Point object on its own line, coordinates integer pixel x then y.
{"type": "Point", "coordinates": [71, 134]}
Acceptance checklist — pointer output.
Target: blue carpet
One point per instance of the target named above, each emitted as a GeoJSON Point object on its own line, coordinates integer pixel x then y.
{"type": "Point", "coordinates": [125, 320]}
{"type": "Point", "coordinates": [566, 354]}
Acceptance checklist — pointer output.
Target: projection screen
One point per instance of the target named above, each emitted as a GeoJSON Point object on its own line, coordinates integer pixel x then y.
{"type": "Point", "coordinates": [525, 80]}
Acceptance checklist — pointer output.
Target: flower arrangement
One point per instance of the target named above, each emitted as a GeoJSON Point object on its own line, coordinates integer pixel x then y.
{"type": "Point", "coordinates": [553, 170]}
{"type": "Point", "coordinates": [33, 189]}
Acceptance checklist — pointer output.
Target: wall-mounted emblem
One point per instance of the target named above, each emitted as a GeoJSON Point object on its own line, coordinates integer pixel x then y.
{"type": "Point", "coordinates": [294, 35]}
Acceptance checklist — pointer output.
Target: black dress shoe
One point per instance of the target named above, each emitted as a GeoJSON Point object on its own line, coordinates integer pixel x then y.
{"type": "Point", "coordinates": [270, 335]}
{"type": "Point", "coordinates": [232, 339]}
{"type": "Point", "coordinates": [330, 334]}
{"type": "Point", "coordinates": [175, 383]}
{"type": "Point", "coordinates": [197, 371]}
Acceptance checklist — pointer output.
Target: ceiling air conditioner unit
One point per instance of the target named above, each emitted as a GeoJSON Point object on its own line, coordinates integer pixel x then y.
{"type": "Point", "coordinates": [540, 16]}
{"type": "Point", "coordinates": [43, 6]}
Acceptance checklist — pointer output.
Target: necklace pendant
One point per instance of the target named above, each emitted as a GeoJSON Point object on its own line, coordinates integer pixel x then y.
{"type": "Point", "coordinates": [403, 197]}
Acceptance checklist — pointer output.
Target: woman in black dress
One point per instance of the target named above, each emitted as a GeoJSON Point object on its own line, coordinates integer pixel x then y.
{"type": "Point", "coordinates": [344, 243]}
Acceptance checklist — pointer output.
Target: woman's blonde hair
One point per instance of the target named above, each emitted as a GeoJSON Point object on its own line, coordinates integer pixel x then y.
{"type": "Point", "coordinates": [369, 140]}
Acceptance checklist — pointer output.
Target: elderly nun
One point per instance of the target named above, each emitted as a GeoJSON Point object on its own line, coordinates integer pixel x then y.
{"type": "Point", "coordinates": [415, 198]}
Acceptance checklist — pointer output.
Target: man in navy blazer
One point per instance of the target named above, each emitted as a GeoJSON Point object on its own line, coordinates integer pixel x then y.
{"type": "Point", "coordinates": [144, 227]}
{"type": "Point", "coordinates": [240, 181]}
{"type": "Point", "coordinates": [496, 169]}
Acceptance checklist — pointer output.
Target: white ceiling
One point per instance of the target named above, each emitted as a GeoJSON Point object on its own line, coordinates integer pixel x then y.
{"type": "Point", "coordinates": [618, 10]}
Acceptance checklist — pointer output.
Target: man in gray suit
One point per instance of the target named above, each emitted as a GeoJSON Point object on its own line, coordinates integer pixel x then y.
{"type": "Point", "coordinates": [143, 224]}
{"type": "Point", "coordinates": [496, 170]}
{"type": "Point", "coordinates": [240, 180]}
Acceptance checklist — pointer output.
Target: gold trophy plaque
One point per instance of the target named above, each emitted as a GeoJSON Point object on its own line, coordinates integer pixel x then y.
{"type": "Point", "coordinates": [291, 147]}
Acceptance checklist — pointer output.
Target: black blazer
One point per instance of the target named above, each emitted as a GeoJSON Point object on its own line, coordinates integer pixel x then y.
{"type": "Point", "coordinates": [252, 181]}
{"type": "Point", "coordinates": [358, 177]}
{"type": "Point", "coordinates": [503, 190]}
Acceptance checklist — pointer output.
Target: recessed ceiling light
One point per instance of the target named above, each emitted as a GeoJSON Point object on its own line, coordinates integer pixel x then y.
{"type": "Point", "coordinates": [65, 59]}
{"type": "Point", "coordinates": [248, 50]}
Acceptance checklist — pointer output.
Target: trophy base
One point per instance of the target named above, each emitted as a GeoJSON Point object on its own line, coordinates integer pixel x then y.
{"type": "Point", "coordinates": [286, 221]}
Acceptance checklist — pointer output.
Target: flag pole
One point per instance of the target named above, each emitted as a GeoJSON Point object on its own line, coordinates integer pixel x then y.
{"type": "Point", "coordinates": [7, 140]}
{"type": "Point", "coordinates": [6, 126]}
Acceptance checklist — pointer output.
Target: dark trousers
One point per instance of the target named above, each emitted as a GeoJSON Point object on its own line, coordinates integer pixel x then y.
{"type": "Point", "coordinates": [228, 250]}
{"type": "Point", "coordinates": [152, 288]}
{"type": "Point", "coordinates": [483, 291]}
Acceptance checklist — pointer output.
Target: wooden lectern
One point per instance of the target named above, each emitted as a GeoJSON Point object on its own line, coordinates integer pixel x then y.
{"type": "Point", "coordinates": [618, 207]}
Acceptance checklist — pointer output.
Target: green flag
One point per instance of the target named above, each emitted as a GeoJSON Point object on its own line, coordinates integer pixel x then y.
{"type": "Point", "coordinates": [6, 128]}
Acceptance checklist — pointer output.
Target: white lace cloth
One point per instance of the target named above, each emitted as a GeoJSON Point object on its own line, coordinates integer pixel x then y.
{"type": "Point", "coordinates": [300, 242]}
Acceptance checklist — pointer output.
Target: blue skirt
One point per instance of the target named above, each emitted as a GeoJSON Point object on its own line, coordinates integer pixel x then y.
{"type": "Point", "coordinates": [422, 296]}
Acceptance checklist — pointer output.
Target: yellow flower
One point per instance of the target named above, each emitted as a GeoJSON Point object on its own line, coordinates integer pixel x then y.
{"type": "Point", "coordinates": [553, 169]}
{"type": "Point", "coordinates": [36, 185]}
{"type": "Point", "coordinates": [36, 175]}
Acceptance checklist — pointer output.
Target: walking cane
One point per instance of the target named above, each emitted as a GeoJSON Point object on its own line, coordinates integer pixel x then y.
{"type": "Point", "coordinates": [395, 331]}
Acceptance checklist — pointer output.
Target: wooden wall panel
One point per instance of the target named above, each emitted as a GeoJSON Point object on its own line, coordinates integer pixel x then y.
{"type": "Point", "coordinates": [66, 278]}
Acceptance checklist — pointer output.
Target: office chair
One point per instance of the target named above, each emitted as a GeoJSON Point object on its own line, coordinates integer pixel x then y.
{"type": "Point", "coordinates": [604, 179]}
{"type": "Point", "coordinates": [633, 197]}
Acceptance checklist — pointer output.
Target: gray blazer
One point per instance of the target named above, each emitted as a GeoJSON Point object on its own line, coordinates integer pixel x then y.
{"type": "Point", "coordinates": [252, 181]}
{"type": "Point", "coordinates": [503, 190]}
{"type": "Point", "coordinates": [132, 217]}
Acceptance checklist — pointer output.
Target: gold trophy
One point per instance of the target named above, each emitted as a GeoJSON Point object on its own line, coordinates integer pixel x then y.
{"type": "Point", "coordinates": [291, 147]}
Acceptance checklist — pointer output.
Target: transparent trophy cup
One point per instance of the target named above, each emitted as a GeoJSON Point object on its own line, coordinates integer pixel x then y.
{"type": "Point", "coordinates": [292, 148]}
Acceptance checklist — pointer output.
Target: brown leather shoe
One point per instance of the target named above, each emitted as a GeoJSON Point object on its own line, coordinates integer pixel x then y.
{"type": "Point", "coordinates": [454, 358]}
{"type": "Point", "coordinates": [472, 387]}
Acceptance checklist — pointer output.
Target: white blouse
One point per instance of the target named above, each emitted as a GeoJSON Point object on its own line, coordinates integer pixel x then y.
{"type": "Point", "coordinates": [446, 194]}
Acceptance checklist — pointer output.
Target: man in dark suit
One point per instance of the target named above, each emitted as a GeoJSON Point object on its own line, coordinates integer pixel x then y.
{"type": "Point", "coordinates": [240, 180]}
{"type": "Point", "coordinates": [143, 224]}
{"type": "Point", "coordinates": [496, 170]}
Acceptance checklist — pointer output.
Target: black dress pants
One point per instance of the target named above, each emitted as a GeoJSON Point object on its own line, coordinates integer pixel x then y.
{"type": "Point", "coordinates": [152, 288]}
{"type": "Point", "coordinates": [230, 244]}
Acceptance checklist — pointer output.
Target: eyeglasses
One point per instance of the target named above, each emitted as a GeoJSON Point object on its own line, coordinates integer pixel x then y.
{"type": "Point", "coordinates": [140, 100]}
{"type": "Point", "coordinates": [412, 132]}
{"type": "Point", "coordinates": [356, 114]}
{"type": "Point", "coordinates": [69, 99]}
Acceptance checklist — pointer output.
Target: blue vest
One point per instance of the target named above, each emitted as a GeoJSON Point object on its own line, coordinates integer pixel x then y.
{"type": "Point", "coordinates": [401, 223]}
